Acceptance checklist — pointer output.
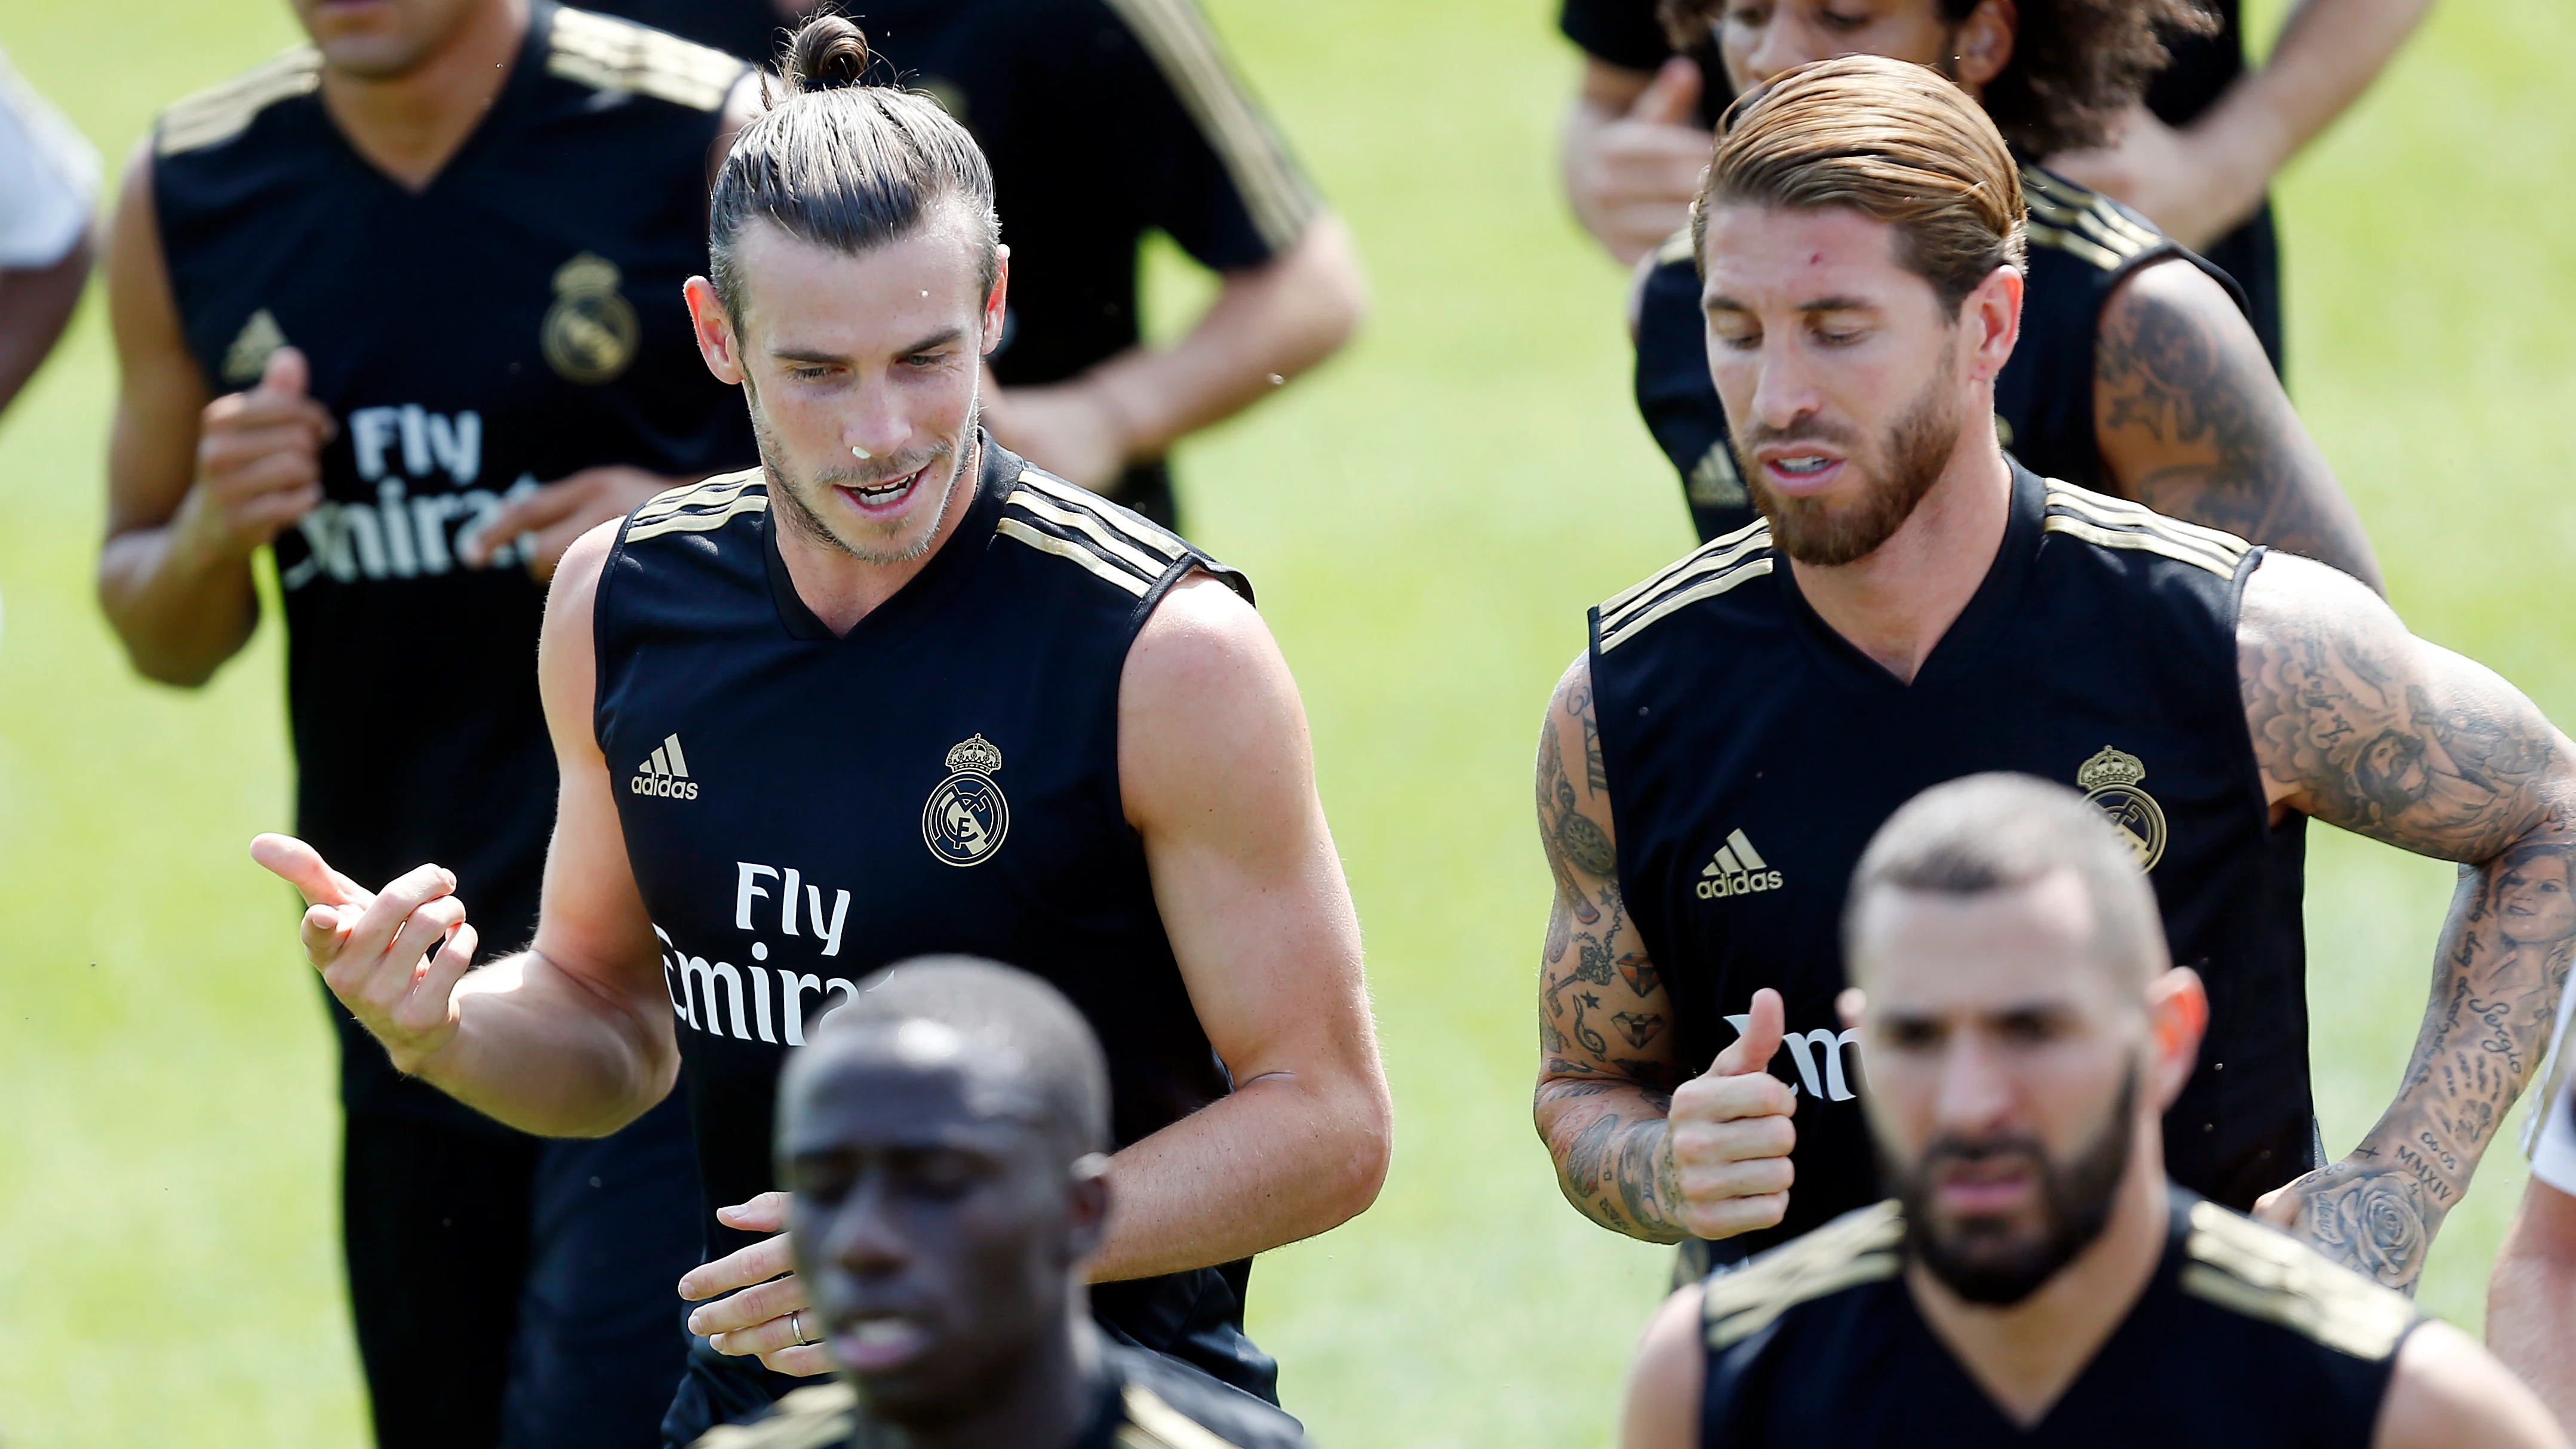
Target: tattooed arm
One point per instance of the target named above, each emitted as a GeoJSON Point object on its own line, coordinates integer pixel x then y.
{"type": "Point", "coordinates": [1637, 1147]}
{"type": "Point", "coordinates": [2192, 422]}
{"type": "Point", "coordinates": [2360, 724]}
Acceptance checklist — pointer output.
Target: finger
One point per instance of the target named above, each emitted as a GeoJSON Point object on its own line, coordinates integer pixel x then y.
{"type": "Point", "coordinates": [374, 930]}
{"type": "Point", "coordinates": [747, 1310]}
{"type": "Point", "coordinates": [1740, 1139]}
{"type": "Point", "coordinates": [758, 1263]}
{"type": "Point", "coordinates": [1735, 1215]}
{"type": "Point", "coordinates": [1709, 1186]}
{"type": "Point", "coordinates": [1752, 1051]}
{"type": "Point", "coordinates": [766, 1213]}
{"type": "Point", "coordinates": [287, 373]}
{"type": "Point", "coordinates": [804, 1361]}
{"type": "Point", "coordinates": [422, 932]}
{"type": "Point", "coordinates": [324, 933]}
{"type": "Point", "coordinates": [222, 455]}
{"type": "Point", "coordinates": [427, 1005]}
{"type": "Point", "coordinates": [1671, 96]}
{"type": "Point", "coordinates": [532, 511]}
{"type": "Point", "coordinates": [302, 867]}
{"type": "Point", "coordinates": [275, 512]}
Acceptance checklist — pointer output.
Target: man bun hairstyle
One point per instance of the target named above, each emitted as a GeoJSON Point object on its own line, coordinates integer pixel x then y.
{"type": "Point", "coordinates": [1891, 140]}
{"type": "Point", "coordinates": [2001, 831]}
{"type": "Point", "coordinates": [2076, 64]}
{"type": "Point", "coordinates": [836, 162]}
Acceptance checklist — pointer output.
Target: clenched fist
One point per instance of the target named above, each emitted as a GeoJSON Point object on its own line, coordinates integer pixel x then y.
{"type": "Point", "coordinates": [259, 461]}
{"type": "Point", "coordinates": [1730, 1133]}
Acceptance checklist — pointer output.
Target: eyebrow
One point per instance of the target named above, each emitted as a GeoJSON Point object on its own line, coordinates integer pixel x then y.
{"type": "Point", "coordinates": [943, 338]}
{"type": "Point", "coordinates": [1723, 303]}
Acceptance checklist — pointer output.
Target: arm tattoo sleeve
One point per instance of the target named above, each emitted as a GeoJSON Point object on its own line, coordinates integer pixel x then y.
{"type": "Point", "coordinates": [1609, 1062]}
{"type": "Point", "coordinates": [2192, 423]}
{"type": "Point", "coordinates": [2360, 724]}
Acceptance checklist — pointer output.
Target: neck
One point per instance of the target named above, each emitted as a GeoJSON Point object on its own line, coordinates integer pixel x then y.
{"type": "Point", "coordinates": [409, 125]}
{"type": "Point", "coordinates": [2026, 1355]}
{"type": "Point", "coordinates": [1042, 1402]}
{"type": "Point", "coordinates": [842, 588]}
{"type": "Point", "coordinates": [1896, 603]}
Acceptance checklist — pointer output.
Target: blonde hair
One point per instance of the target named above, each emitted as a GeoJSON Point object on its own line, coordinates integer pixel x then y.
{"type": "Point", "coordinates": [1891, 140]}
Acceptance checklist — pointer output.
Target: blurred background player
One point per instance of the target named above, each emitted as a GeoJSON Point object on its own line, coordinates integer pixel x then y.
{"type": "Point", "coordinates": [1916, 607]}
{"type": "Point", "coordinates": [404, 307]}
{"type": "Point", "coordinates": [1105, 121]}
{"type": "Point", "coordinates": [944, 1142]}
{"type": "Point", "coordinates": [2196, 154]}
{"type": "Point", "coordinates": [48, 188]}
{"type": "Point", "coordinates": [2036, 1273]}
{"type": "Point", "coordinates": [2531, 1290]}
{"type": "Point", "coordinates": [898, 692]}
{"type": "Point", "coordinates": [2135, 372]}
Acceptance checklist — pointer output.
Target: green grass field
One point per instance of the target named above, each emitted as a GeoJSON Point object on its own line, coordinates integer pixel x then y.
{"type": "Point", "coordinates": [1427, 520]}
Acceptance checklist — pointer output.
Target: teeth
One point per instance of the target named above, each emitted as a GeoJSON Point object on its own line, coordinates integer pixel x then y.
{"type": "Point", "coordinates": [1807, 464]}
{"type": "Point", "coordinates": [874, 1332]}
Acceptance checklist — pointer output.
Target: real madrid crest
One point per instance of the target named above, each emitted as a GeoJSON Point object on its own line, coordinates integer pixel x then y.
{"type": "Point", "coordinates": [590, 332]}
{"type": "Point", "coordinates": [2110, 780]}
{"type": "Point", "coordinates": [966, 817]}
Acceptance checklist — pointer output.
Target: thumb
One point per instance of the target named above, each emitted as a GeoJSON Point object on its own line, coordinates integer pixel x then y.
{"type": "Point", "coordinates": [1671, 97]}
{"type": "Point", "coordinates": [1752, 1051]}
{"type": "Point", "coordinates": [766, 1213]}
{"type": "Point", "coordinates": [287, 373]}
{"type": "Point", "coordinates": [302, 867]}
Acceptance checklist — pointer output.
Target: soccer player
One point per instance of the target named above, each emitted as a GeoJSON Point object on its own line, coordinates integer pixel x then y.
{"type": "Point", "coordinates": [2035, 1273]}
{"type": "Point", "coordinates": [402, 307]}
{"type": "Point", "coordinates": [1916, 607]}
{"type": "Point", "coordinates": [1105, 121]}
{"type": "Point", "coordinates": [942, 1139]}
{"type": "Point", "coordinates": [48, 184]}
{"type": "Point", "coordinates": [2136, 373]}
{"type": "Point", "coordinates": [895, 693]}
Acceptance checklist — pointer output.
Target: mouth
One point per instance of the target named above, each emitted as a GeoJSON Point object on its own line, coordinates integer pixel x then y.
{"type": "Point", "coordinates": [877, 500]}
{"type": "Point", "coordinates": [1799, 470]}
{"type": "Point", "coordinates": [878, 1343]}
{"type": "Point", "coordinates": [1985, 1190]}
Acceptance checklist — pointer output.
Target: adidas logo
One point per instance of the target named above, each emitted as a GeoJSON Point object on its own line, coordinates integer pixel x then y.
{"type": "Point", "coordinates": [665, 773]}
{"type": "Point", "coordinates": [1736, 870]}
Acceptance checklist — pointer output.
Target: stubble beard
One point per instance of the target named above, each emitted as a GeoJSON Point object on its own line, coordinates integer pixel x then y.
{"type": "Point", "coordinates": [1911, 457]}
{"type": "Point", "coordinates": [801, 501]}
{"type": "Point", "coordinates": [1984, 1261]}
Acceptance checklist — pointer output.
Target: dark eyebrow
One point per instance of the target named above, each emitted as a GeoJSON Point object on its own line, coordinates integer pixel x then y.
{"type": "Point", "coordinates": [1724, 303]}
{"type": "Point", "coordinates": [945, 338]}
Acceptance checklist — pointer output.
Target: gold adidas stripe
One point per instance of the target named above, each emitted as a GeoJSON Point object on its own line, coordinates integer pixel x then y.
{"type": "Point", "coordinates": [2263, 1274]}
{"type": "Point", "coordinates": [2146, 542]}
{"type": "Point", "coordinates": [1858, 1247]}
{"type": "Point", "coordinates": [1140, 531]}
{"type": "Point", "coordinates": [1712, 567]}
{"type": "Point", "coordinates": [1153, 1424]}
{"type": "Point", "coordinates": [1177, 37]}
{"type": "Point", "coordinates": [1046, 542]}
{"type": "Point", "coordinates": [2103, 508]}
{"type": "Point", "coordinates": [639, 530]}
{"type": "Point", "coordinates": [722, 488]}
{"type": "Point", "coordinates": [1676, 248]}
{"type": "Point", "coordinates": [216, 115]}
{"type": "Point", "coordinates": [1679, 566]}
{"type": "Point", "coordinates": [1724, 583]}
{"type": "Point", "coordinates": [1089, 527]}
{"type": "Point", "coordinates": [618, 55]}
{"type": "Point", "coordinates": [2067, 241]}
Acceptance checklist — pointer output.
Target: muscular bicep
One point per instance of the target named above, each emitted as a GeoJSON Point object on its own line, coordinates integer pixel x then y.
{"type": "Point", "coordinates": [592, 923]}
{"type": "Point", "coordinates": [1603, 1010]}
{"type": "Point", "coordinates": [152, 445]}
{"type": "Point", "coordinates": [2363, 725]}
{"type": "Point", "coordinates": [1218, 780]}
{"type": "Point", "coordinates": [2446, 1390]}
{"type": "Point", "coordinates": [2192, 422]}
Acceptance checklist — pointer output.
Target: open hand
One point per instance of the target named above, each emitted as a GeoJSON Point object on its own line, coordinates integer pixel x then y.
{"type": "Point", "coordinates": [393, 957]}
{"type": "Point", "coordinates": [1730, 1133]}
{"type": "Point", "coordinates": [561, 512]}
{"type": "Point", "coordinates": [762, 1319]}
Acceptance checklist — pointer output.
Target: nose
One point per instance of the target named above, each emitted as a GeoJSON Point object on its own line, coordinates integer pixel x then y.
{"type": "Point", "coordinates": [1976, 1094]}
{"type": "Point", "coordinates": [1783, 391]}
{"type": "Point", "coordinates": [863, 1237]}
{"type": "Point", "coordinates": [875, 429]}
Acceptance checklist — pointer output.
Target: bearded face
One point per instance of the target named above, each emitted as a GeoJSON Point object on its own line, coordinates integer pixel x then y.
{"type": "Point", "coordinates": [1895, 470]}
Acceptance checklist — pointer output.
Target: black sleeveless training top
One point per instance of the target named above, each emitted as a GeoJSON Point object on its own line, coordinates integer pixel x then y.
{"type": "Point", "coordinates": [802, 809]}
{"type": "Point", "coordinates": [2082, 246]}
{"type": "Point", "coordinates": [2244, 1337]}
{"type": "Point", "coordinates": [1752, 752]}
{"type": "Point", "coordinates": [515, 322]}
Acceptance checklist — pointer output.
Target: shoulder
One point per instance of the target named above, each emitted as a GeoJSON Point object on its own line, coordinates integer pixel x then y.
{"type": "Point", "coordinates": [1169, 1405]}
{"type": "Point", "coordinates": [609, 54]}
{"type": "Point", "coordinates": [2074, 221]}
{"type": "Point", "coordinates": [2116, 523]}
{"type": "Point", "coordinates": [1858, 1248]}
{"type": "Point", "coordinates": [2448, 1390]}
{"type": "Point", "coordinates": [1120, 549]}
{"type": "Point", "coordinates": [1717, 567]}
{"type": "Point", "coordinates": [810, 1418]}
{"type": "Point", "coordinates": [2258, 1272]}
{"type": "Point", "coordinates": [218, 114]}
{"type": "Point", "coordinates": [700, 507]}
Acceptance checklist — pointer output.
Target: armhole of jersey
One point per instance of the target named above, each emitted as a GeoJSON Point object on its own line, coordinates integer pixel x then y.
{"type": "Point", "coordinates": [1609, 794]}
{"type": "Point", "coordinates": [2235, 623]}
{"type": "Point", "coordinates": [599, 633]}
{"type": "Point", "coordinates": [2170, 250]}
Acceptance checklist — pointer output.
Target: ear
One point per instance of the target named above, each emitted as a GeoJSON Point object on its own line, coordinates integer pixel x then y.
{"type": "Point", "coordinates": [2177, 1014]}
{"type": "Point", "coordinates": [1983, 44]}
{"type": "Point", "coordinates": [1087, 1205]}
{"type": "Point", "coordinates": [997, 305]}
{"type": "Point", "coordinates": [1990, 323]}
{"type": "Point", "coordinates": [1850, 1004]}
{"type": "Point", "coordinates": [717, 342]}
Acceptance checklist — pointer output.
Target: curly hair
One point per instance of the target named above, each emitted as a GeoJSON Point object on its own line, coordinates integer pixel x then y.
{"type": "Point", "coordinates": [2075, 63]}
